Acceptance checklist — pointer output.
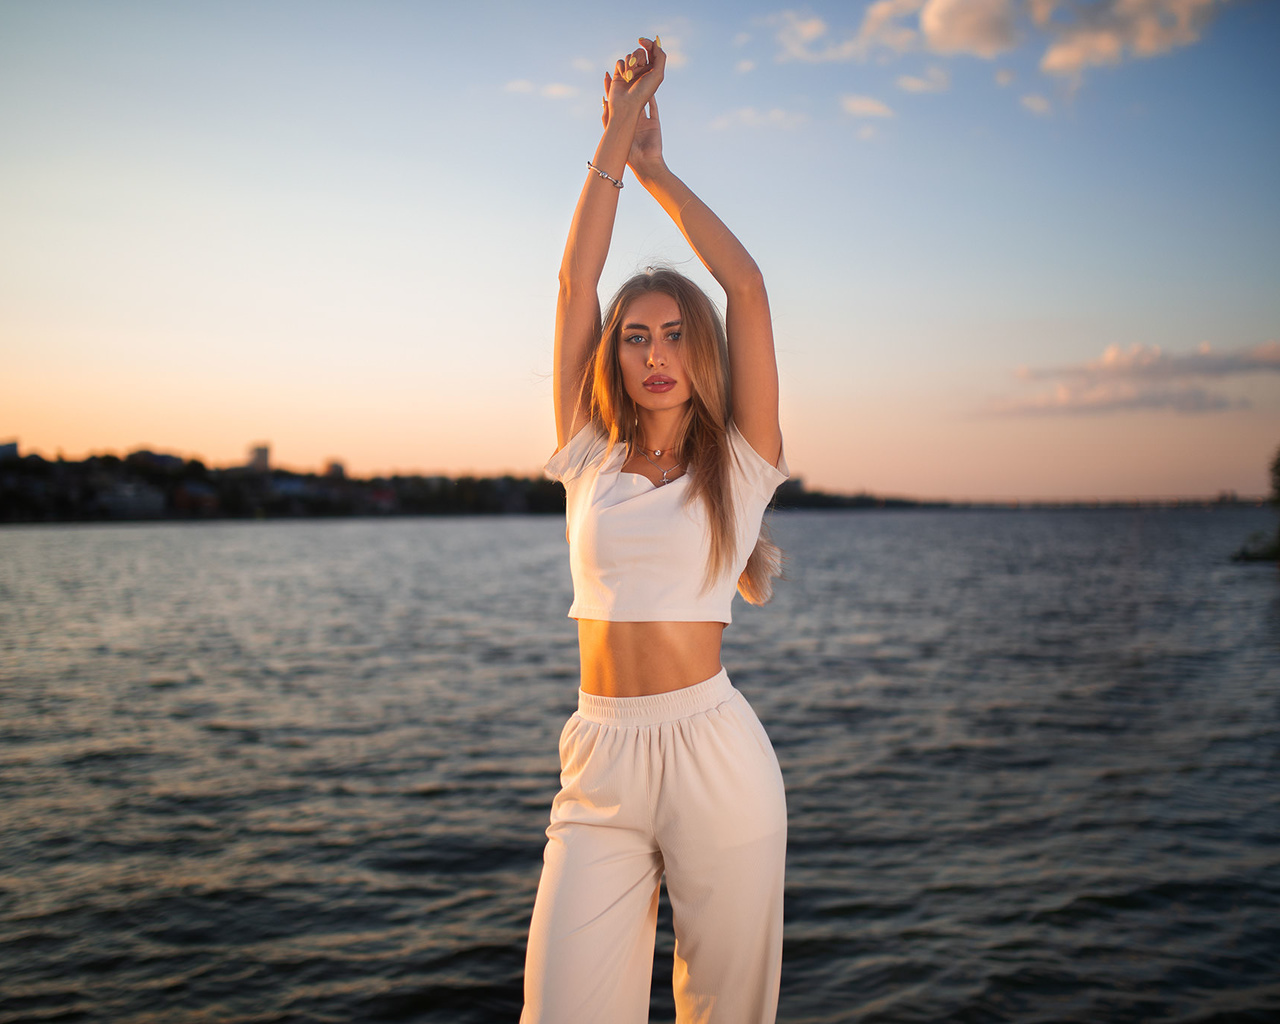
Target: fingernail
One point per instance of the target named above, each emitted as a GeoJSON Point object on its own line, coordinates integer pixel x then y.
{"type": "Point", "coordinates": [626, 75]}
{"type": "Point", "coordinates": [657, 41]}
{"type": "Point", "coordinates": [631, 61]}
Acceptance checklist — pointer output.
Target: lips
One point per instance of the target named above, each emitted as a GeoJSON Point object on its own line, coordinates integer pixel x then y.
{"type": "Point", "coordinates": [658, 383]}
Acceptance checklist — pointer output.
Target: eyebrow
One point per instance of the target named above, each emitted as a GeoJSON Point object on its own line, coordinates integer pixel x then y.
{"type": "Point", "coordinates": [645, 327]}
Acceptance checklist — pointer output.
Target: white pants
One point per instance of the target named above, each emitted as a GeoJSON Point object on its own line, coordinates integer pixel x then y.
{"type": "Point", "coordinates": [684, 783]}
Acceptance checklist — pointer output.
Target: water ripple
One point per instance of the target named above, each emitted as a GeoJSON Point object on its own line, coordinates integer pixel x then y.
{"type": "Point", "coordinates": [300, 771]}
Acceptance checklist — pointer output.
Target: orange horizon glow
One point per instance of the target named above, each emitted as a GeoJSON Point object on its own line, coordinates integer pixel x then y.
{"type": "Point", "coordinates": [989, 281]}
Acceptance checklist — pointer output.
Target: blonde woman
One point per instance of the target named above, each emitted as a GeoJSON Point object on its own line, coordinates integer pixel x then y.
{"type": "Point", "coordinates": [669, 450]}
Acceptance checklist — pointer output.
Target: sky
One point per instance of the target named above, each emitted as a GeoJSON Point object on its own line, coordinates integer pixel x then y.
{"type": "Point", "coordinates": [1015, 249]}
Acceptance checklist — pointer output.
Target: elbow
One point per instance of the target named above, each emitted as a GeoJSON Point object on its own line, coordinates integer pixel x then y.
{"type": "Point", "coordinates": [565, 279]}
{"type": "Point", "coordinates": [570, 281]}
{"type": "Point", "coordinates": [747, 283]}
{"type": "Point", "coordinates": [570, 287]}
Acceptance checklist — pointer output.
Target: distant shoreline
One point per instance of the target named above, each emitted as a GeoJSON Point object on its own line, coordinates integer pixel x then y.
{"type": "Point", "coordinates": [148, 487]}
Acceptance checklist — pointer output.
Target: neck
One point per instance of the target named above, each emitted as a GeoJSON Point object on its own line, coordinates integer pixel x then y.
{"type": "Point", "coordinates": [658, 428]}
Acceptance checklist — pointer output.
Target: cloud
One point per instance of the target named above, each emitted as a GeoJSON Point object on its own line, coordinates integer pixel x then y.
{"type": "Point", "coordinates": [673, 46]}
{"type": "Point", "coordinates": [1141, 377]}
{"type": "Point", "coordinates": [1150, 362]}
{"type": "Point", "coordinates": [742, 38]}
{"type": "Point", "coordinates": [1076, 35]}
{"type": "Point", "coordinates": [553, 90]}
{"type": "Point", "coordinates": [1103, 32]}
{"type": "Point", "coordinates": [881, 27]}
{"type": "Point", "coordinates": [984, 28]}
{"type": "Point", "coordinates": [1004, 77]}
{"type": "Point", "coordinates": [803, 38]}
{"type": "Point", "coordinates": [1036, 103]}
{"type": "Point", "coordinates": [749, 117]}
{"type": "Point", "coordinates": [743, 66]}
{"type": "Point", "coordinates": [1042, 10]}
{"type": "Point", "coordinates": [981, 27]}
{"type": "Point", "coordinates": [934, 80]}
{"type": "Point", "coordinates": [587, 65]}
{"type": "Point", "coordinates": [1117, 397]}
{"type": "Point", "coordinates": [864, 106]}
{"type": "Point", "coordinates": [796, 34]}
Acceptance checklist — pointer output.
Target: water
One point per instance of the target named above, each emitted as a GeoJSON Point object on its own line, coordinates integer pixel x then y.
{"type": "Point", "coordinates": [299, 771]}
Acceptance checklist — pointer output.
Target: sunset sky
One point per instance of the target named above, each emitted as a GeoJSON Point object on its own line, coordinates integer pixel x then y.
{"type": "Point", "coordinates": [1015, 248]}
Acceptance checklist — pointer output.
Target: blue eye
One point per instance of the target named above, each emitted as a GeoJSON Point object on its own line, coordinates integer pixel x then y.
{"type": "Point", "coordinates": [635, 339]}
{"type": "Point", "coordinates": [673, 336]}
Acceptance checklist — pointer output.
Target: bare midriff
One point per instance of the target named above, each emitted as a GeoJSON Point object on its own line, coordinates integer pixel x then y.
{"type": "Point", "coordinates": [632, 659]}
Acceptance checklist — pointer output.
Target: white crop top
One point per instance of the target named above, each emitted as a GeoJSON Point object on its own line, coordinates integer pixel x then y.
{"type": "Point", "coordinates": [638, 552]}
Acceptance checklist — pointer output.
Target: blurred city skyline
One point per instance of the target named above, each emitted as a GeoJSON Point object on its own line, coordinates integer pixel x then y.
{"type": "Point", "coordinates": [1014, 249]}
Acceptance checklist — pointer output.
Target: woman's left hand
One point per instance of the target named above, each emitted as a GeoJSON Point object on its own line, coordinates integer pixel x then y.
{"type": "Point", "coordinates": [635, 79]}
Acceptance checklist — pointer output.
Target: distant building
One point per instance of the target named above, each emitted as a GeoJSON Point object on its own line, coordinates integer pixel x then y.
{"type": "Point", "coordinates": [196, 498]}
{"type": "Point", "coordinates": [335, 470]}
{"type": "Point", "coordinates": [129, 499]}
{"type": "Point", "coordinates": [155, 460]}
{"type": "Point", "coordinates": [8, 450]}
{"type": "Point", "coordinates": [260, 458]}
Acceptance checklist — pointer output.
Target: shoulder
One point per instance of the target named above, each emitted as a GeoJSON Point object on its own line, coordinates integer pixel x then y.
{"type": "Point", "coordinates": [577, 454]}
{"type": "Point", "coordinates": [754, 467]}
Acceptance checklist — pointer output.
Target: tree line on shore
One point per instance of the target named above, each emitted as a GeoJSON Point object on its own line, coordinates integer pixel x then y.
{"type": "Point", "coordinates": [149, 485]}
{"type": "Point", "coordinates": [1265, 547]}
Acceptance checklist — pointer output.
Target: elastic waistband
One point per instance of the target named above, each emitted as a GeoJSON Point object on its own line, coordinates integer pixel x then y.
{"type": "Point", "coordinates": [655, 708]}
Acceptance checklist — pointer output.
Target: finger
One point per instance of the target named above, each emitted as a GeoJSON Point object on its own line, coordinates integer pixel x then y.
{"type": "Point", "coordinates": [632, 67]}
{"type": "Point", "coordinates": [643, 68]}
{"type": "Point", "coordinates": [635, 64]}
{"type": "Point", "coordinates": [653, 108]}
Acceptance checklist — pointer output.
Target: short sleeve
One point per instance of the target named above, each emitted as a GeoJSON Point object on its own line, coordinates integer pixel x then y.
{"type": "Point", "coordinates": [754, 467]}
{"type": "Point", "coordinates": [579, 451]}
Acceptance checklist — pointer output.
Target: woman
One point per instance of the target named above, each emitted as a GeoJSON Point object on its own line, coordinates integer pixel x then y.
{"type": "Point", "coordinates": [665, 768]}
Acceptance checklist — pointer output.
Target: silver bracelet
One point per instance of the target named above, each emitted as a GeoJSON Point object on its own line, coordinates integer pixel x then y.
{"type": "Point", "coordinates": [607, 177]}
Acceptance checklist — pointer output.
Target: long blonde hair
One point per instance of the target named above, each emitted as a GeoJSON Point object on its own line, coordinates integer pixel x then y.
{"type": "Point", "coordinates": [702, 441]}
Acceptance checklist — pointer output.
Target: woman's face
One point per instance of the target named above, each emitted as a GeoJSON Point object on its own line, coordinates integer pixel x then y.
{"type": "Point", "coordinates": [649, 353]}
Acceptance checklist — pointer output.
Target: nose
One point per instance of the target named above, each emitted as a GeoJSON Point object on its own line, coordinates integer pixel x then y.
{"type": "Point", "coordinates": [655, 357]}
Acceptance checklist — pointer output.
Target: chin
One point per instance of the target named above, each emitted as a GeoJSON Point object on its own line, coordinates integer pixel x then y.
{"type": "Point", "coordinates": [659, 403]}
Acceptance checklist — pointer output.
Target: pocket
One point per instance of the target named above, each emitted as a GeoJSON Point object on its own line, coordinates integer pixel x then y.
{"type": "Point", "coordinates": [566, 738]}
{"type": "Point", "coordinates": [753, 725]}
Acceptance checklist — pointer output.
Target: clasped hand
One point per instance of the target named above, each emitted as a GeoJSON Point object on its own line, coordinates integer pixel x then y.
{"type": "Point", "coordinates": [627, 91]}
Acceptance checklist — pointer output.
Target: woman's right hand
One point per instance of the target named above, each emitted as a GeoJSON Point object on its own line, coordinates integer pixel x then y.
{"type": "Point", "coordinates": [646, 145]}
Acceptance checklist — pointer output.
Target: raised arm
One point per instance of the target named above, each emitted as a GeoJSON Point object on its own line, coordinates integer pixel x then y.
{"type": "Point", "coordinates": [634, 80]}
{"type": "Point", "coordinates": [753, 366]}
